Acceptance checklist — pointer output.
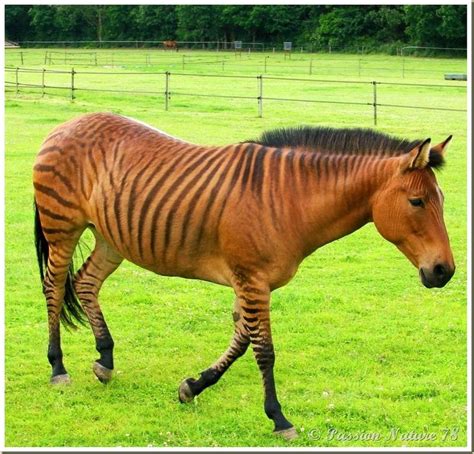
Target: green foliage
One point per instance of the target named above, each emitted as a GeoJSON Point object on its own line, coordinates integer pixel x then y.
{"type": "Point", "coordinates": [155, 22]}
{"type": "Point", "coordinates": [453, 23]}
{"type": "Point", "coordinates": [198, 23]}
{"type": "Point", "coordinates": [17, 22]}
{"type": "Point", "coordinates": [337, 27]}
{"type": "Point", "coordinates": [348, 26]}
{"type": "Point", "coordinates": [433, 25]}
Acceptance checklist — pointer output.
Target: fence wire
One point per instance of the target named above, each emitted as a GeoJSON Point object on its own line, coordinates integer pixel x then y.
{"type": "Point", "coordinates": [259, 97]}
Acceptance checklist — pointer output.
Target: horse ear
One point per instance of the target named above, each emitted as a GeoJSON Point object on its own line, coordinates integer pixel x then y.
{"type": "Point", "coordinates": [417, 158]}
{"type": "Point", "coordinates": [442, 147]}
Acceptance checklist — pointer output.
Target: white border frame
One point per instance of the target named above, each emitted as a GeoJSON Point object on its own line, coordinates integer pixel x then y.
{"type": "Point", "coordinates": [468, 448]}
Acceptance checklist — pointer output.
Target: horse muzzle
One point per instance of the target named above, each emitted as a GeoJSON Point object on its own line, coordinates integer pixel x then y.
{"type": "Point", "coordinates": [438, 276]}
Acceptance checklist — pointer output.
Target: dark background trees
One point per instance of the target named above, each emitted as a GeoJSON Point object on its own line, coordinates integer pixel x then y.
{"type": "Point", "coordinates": [320, 26]}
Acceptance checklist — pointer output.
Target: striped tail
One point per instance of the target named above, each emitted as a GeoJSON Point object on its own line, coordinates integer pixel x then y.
{"type": "Point", "coordinates": [71, 310]}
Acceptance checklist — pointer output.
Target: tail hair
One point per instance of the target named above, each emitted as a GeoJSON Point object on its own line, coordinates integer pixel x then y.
{"type": "Point", "coordinates": [71, 310]}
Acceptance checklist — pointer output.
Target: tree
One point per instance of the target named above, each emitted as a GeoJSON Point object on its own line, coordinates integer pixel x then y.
{"type": "Point", "coordinates": [17, 22]}
{"type": "Point", "coordinates": [93, 15]}
{"type": "Point", "coordinates": [386, 24]}
{"type": "Point", "coordinates": [453, 24]}
{"type": "Point", "coordinates": [72, 24]}
{"type": "Point", "coordinates": [43, 22]}
{"type": "Point", "coordinates": [340, 26]}
{"type": "Point", "coordinates": [156, 22]}
{"type": "Point", "coordinates": [433, 25]}
{"type": "Point", "coordinates": [198, 23]}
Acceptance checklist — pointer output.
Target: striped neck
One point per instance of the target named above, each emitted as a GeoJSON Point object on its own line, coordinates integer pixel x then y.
{"type": "Point", "coordinates": [338, 199]}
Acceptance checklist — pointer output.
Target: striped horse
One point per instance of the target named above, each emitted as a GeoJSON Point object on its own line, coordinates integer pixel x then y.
{"type": "Point", "coordinates": [243, 215]}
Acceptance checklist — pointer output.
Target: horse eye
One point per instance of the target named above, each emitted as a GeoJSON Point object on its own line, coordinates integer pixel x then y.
{"type": "Point", "coordinates": [417, 202]}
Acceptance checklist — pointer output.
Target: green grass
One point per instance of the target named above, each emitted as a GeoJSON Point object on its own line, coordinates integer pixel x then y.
{"type": "Point", "coordinates": [229, 62]}
{"type": "Point", "coordinates": [361, 345]}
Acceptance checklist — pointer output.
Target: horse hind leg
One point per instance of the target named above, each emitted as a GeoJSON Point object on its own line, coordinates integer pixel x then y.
{"type": "Point", "coordinates": [102, 262]}
{"type": "Point", "coordinates": [57, 290]}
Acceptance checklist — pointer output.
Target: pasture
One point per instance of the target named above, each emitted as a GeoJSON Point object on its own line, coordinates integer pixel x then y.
{"type": "Point", "coordinates": [362, 348]}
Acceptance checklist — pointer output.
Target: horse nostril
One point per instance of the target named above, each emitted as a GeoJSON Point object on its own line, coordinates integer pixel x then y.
{"type": "Point", "coordinates": [439, 271]}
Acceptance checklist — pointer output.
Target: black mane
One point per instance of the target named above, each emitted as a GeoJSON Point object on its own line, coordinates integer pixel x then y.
{"type": "Point", "coordinates": [342, 141]}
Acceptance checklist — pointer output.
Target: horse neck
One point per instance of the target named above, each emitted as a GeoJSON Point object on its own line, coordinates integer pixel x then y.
{"type": "Point", "coordinates": [338, 199]}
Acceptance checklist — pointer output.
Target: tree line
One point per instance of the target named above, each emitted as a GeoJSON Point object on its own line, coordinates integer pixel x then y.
{"type": "Point", "coordinates": [377, 27]}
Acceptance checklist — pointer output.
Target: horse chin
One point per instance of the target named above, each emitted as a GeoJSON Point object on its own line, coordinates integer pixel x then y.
{"type": "Point", "coordinates": [424, 280]}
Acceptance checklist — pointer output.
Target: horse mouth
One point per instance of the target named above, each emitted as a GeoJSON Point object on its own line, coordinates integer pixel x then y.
{"type": "Point", "coordinates": [424, 280]}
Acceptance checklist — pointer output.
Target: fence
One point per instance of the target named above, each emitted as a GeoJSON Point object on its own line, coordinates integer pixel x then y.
{"type": "Point", "coordinates": [313, 65]}
{"type": "Point", "coordinates": [137, 44]}
{"type": "Point", "coordinates": [72, 88]}
{"type": "Point", "coordinates": [307, 47]}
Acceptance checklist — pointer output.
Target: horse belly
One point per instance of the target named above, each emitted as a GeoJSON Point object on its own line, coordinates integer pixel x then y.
{"type": "Point", "coordinates": [163, 247]}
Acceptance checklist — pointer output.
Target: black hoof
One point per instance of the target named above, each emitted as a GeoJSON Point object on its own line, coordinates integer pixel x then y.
{"type": "Point", "coordinates": [184, 392]}
{"type": "Point", "coordinates": [288, 434]}
{"type": "Point", "coordinates": [102, 373]}
{"type": "Point", "coordinates": [62, 379]}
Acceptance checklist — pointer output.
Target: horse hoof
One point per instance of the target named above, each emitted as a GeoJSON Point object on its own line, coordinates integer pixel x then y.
{"type": "Point", "coordinates": [103, 373]}
{"type": "Point", "coordinates": [288, 434]}
{"type": "Point", "coordinates": [184, 392]}
{"type": "Point", "coordinates": [62, 379]}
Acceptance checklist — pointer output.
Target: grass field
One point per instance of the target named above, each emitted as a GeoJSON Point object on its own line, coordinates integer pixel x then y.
{"type": "Point", "coordinates": [362, 347]}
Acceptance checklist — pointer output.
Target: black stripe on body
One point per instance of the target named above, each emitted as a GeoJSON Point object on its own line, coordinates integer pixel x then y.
{"type": "Point", "coordinates": [53, 194]}
{"type": "Point", "coordinates": [196, 165]}
{"type": "Point", "coordinates": [165, 166]}
{"type": "Point", "coordinates": [248, 164]}
{"type": "Point", "coordinates": [212, 198]}
{"type": "Point", "coordinates": [275, 192]}
{"type": "Point", "coordinates": [51, 149]}
{"type": "Point", "coordinates": [258, 172]}
{"type": "Point", "coordinates": [198, 192]}
{"type": "Point", "coordinates": [47, 168]}
{"type": "Point", "coordinates": [50, 214]}
{"type": "Point", "coordinates": [231, 186]}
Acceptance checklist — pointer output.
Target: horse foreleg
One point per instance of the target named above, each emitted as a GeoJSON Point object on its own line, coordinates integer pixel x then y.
{"type": "Point", "coordinates": [189, 388]}
{"type": "Point", "coordinates": [256, 320]}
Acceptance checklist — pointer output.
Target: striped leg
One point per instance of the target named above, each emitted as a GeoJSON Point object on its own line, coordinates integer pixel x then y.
{"type": "Point", "coordinates": [60, 255]}
{"type": "Point", "coordinates": [256, 316]}
{"type": "Point", "coordinates": [88, 280]}
{"type": "Point", "coordinates": [190, 387]}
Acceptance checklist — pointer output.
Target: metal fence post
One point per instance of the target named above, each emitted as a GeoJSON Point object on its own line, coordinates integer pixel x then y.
{"type": "Point", "coordinates": [95, 55]}
{"type": "Point", "coordinates": [167, 85]}
{"type": "Point", "coordinates": [260, 96]}
{"type": "Point", "coordinates": [16, 81]}
{"type": "Point", "coordinates": [72, 83]}
{"type": "Point", "coordinates": [42, 84]}
{"type": "Point", "coordinates": [374, 84]}
{"type": "Point", "coordinates": [265, 65]}
{"type": "Point", "coordinates": [21, 56]}
{"type": "Point", "coordinates": [45, 57]}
